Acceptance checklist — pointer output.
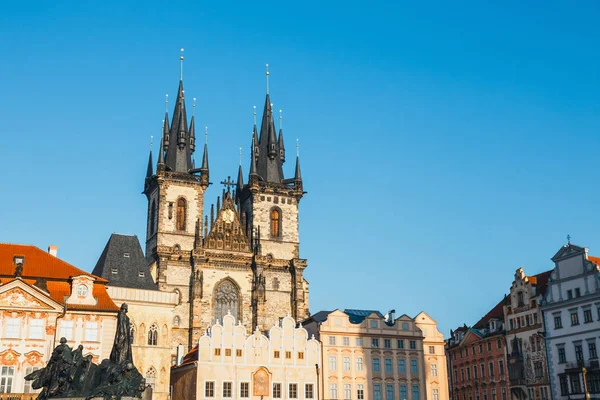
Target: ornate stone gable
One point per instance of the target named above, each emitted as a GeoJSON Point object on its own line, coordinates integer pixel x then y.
{"type": "Point", "coordinates": [18, 295]}
{"type": "Point", "coordinates": [226, 231]}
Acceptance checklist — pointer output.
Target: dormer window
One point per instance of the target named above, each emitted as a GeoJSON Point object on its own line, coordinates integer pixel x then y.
{"type": "Point", "coordinates": [126, 255]}
{"type": "Point", "coordinates": [82, 291]}
{"type": "Point", "coordinates": [141, 274]}
{"type": "Point", "coordinates": [492, 325]}
{"type": "Point", "coordinates": [114, 271]}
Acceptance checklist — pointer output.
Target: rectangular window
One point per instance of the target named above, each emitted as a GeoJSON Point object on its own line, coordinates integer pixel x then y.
{"type": "Point", "coordinates": [66, 329]}
{"type": "Point", "coordinates": [527, 320]}
{"type": "Point", "coordinates": [578, 352]}
{"type": "Point", "coordinates": [501, 367]}
{"type": "Point", "coordinates": [300, 355]}
{"type": "Point", "coordinates": [332, 340]}
{"type": "Point", "coordinates": [227, 352]}
{"type": "Point", "coordinates": [309, 391]}
{"type": "Point", "coordinates": [431, 349]}
{"type": "Point", "coordinates": [435, 394]}
{"type": "Point", "coordinates": [489, 346]}
{"type": "Point", "coordinates": [475, 371]}
{"type": "Point", "coordinates": [277, 390]}
{"type": "Point", "coordinates": [468, 373]}
{"type": "Point", "coordinates": [376, 366]}
{"type": "Point", "coordinates": [276, 354]}
{"type": "Point", "coordinates": [577, 292]}
{"type": "Point", "coordinates": [333, 390]}
{"type": "Point", "coordinates": [482, 371]}
{"type": "Point", "coordinates": [244, 389]}
{"type": "Point", "coordinates": [413, 345]}
{"type": "Point", "coordinates": [6, 379]}
{"type": "Point", "coordinates": [503, 393]}
{"type": "Point", "coordinates": [493, 394]}
{"type": "Point", "coordinates": [227, 389]}
{"type": "Point", "coordinates": [346, 363]}
{"type": "Point", "coordinates": [91, 332]}
{"type": "Point", "coordinates": [387, 343]}
{"type": "Point", "coordinates": [557, 322]}
{"type": "Point", "coordinates": [434, 370]}
{"type": "Point", "coordinates": [414, 366]}
{"type": "Point", "coordinates": [415, 392]}
{"type": "Point", "coordinates": [400, 343]}
{"type": "Point", "coordinates": [535, 318]}
{"type": "Point", "coordinates": [293, 390]}
{"type": "Point", "coordinates": [360, 391]}
{"type": "Point", "coordinates": [587, 316]}
{"type": "Point", "coordinates": [288, 355]}
{"type": "Point", "coordinates": [114, 271]}
{"type": "Point", "coordinates": [562, 358]}
{"type": "Point", "coordinates": [332, 363]}
{"type": "Point", "coordinates": [347, 391]}
{"type": "Point", "coordinates": [592, 350]}
{"type": "Point", "coordinates": [389, 392]}
{"type": "Point", "coordinates": [346, 341]}
{"type": "Point", "coordinates": [374, 342]}
{"type": "Point", "coordinates": [499, 343]}
{"type": "Point", "coordinates": [209, 389]}
{"type": "Point", "coordinates": [538, 370]}
{"type": "Point", "coordinates": [359, 363]}
{"type": "Point", "coordinates": [238, 352]}
{"type": "Point", "coordinates": [27, 388]}
{"type": "Point", "coordinates": [575, 384]}
{"type": "Point", "coordinates": [374, 324]}
{"type": "Point", "coordinates": [217, 352]}
{"type": "Point", "coordinates": [403, 392]}
{"type": "Point", "coordinates": [401, 366]}
{"type": "Point", "coordinates": [564, 386]}
{"type": "Point", "coordinates": [388, 366]}
{"type": "Point", "coordinates": [511, 323]}
{"type": "Point", "coordinates": [13, 328]}
{"type": "Point", "coordinates": [569, 294]}
{"type": "Point", "coordinates": [377, 392]}
{"type": "Point", "coordinates": [359, 341]}
{"type": "Point", "coordinates": [491, 369]}
{"type": "Point", "coordinates": [574, 318]}
{"type": "Point", "coordinates": [36, 328]}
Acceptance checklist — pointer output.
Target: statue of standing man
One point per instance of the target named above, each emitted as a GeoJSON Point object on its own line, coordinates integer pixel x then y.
{"type": "Point", "coordinates": [121, 350]}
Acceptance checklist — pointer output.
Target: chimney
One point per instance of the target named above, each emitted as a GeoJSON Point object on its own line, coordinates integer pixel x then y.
{"type": "Point", "coordinates": [53, 250]}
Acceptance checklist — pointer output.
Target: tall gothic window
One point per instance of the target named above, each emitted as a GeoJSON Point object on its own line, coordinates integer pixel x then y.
{"type": "Point", "coordinates": [226, 299]}
{"type": "Point", "coordinates": [153, 335]}
{"type": "Point", "coordinates": [152, 217]}
{"type": "Point", "coordinates": [151, 377]}
{"type": "Point", "coordinates": [275, 222]}
{"type": "Point", "coordinates": [181, 214]}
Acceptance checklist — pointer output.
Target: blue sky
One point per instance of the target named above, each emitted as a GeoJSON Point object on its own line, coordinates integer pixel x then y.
{"type": "Point", "coordinates": [443, 144]}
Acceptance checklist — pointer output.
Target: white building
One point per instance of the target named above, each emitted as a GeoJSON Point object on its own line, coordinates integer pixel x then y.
{"type": "Point", "coordinates": [571, 311]}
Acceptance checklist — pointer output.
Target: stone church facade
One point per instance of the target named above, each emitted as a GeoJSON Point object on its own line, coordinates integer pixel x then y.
{"type": "Point", "coordinates": [241, 258]}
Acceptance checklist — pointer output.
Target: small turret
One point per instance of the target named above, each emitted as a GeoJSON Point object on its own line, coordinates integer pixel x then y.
{"type": "Point", "coordinates": [280, 144]}
{"type": "Point", "coordinates": [192, 135]}
{"type": "Point", "coordinates": [166, 134]}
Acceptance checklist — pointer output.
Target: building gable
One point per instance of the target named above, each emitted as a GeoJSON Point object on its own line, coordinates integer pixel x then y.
{"type": "Point", "coordinates": [18, 295]}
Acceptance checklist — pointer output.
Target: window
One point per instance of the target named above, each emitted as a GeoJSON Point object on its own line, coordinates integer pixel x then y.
{"type": "Point", "coordinates": [13, 328]}
{"type": "Point", "coordinates": [557, 322]}
{"type": "Point", "coordinates": [569, 294]}
{"type": "Point", "coordinates": [151, 377]}
{"type": "Point", "coordinates": [374, 324]}
{"type": "Point", "coordinates": [227, 352]}
{"type": "Point", "coordinates": [91, 332]}
{"type": "Point", "coordinates": [360, 391]}
{"type": "Point", "coordinates": [346, 341]}
{"type": "Point", "coordinates": [489, 346]}
{"type": "Point", "coordinates": [499, 343]}
{"type": "Point", "coordinates": [388, 366]}
{"type": "Point", "coordinates": [346, 363]}
{"type": "Point", "coordinates": [389, 392]}
{"type": "Point", "coordinates": [564, 386]}
{"type": "Point", "coordinates": [227, 389]}
{"type": "Point", "coordinates": [359, 341]}
{"type": "Point", "coordinates": [359, 363]}
{"type": "Point", "coordinates": [482, 370]}
{"type": "Point", "coordinates": [562, 357]}
{"type": "Point", "coordinates": [126, 255]}
{"type": "Point", "coordinates": [577, 292]}
{"type": "Point", "coordinates": [538, 369]}
{"type": "Point", "coordinates": [275, 284]}
{"type": "Point", "coordinates": [575, 384]}
{"type": "Point", "coordinates": [401, 365]}
{"type": "Point", "coordinates": [432, 350]}
{"type": "Point", "coordinates": [217, 352]}
{"type": "Point", "coordinates": [244, 389]}
{"type": "Point", "coordinates": [36, 328]}
{"type": "Point", "coordinates": [413, 345]}
{"type": "Point", "coordinates": [491, 369]}
{"type": "Point", "coordinates": [288, 355]}
{"type": "Point", "coordinates": [387, 343]}
{"type": "Point", "coordinates": [332, 340]}
{"type": "Point", "coordinates": [435, 394]}
{"type": "Point", "coordinates": [347, 391]}
{"type": "Point", "coordinates": [333, 390]}
{"type": "Point", "coordinates": [504, 394]}
{"type": "Point", "coordinates": [578, 352]}
{"type": "Point", "coordinates": [152, 216]}
{"type": "Point", "coordinates": [405, 326]}
{"type": "Point", "coordinates": [275, 222]}
{"type": "Point", "coordinates": [153, 335]}
{"type": "Point", "coordinates": [6, 379]}
{"type": "Point", "coordinates": [468, 373]}
{"type": "Point", "coordinates": [309, 391]}
{"type": "Point", "coordinates": [480, 348]}
{"type": "Point", "coordinates": [226, 299]}
{"type": "Point", "coordinates": [181, 214]}
{"type": "Point", "coordinates": [277, 390]}
{"type": "Point", "coordinates": [587, 315]}
{"type": "Point", "coordinates": [535, 318]}
{"type": "Point", "coordinates": [415, 392]}
{"type": "Point", "coordinates": [293, 390]}
{"type": "Point", "coordinates": [400, 343]}
{"type": "Point", "coordinates": [592, 350]}
{"type": "Point", "coordinates": [414, 366]}
{"type": "Point", "coordinates": [66, 329]}
{"type": "Point", "coordinates": [27, 388]}
{"type": "Point", "coordinates": [377, 392]}
{"type": "Point", "coordinates": [82, 290]}
{"type": "Point", "coordinates": [574, 318]}
{"type": "Point", "coordinates": [493, 394]}
{"type": "Point", "coordinates": [332, 363]}
{"type": "Point", "coordinates": [374, 342]}
{"type": "Point", "coordinates": [276, 354]}
{"type": "Point", "coordinates": [300, 355]}
{"type": "Point", "coordinates": [403, 392]}
{"type": "Point", "coordinates": [501, 367]}
{"type": "Point", "coordinates": [141, 274]}
{"type": "Point", "coordinates": [114, 271]}
{"type": "Point", "coordinates": [433, 368]}
{"type": "Point", "coordinates": [376, 365]}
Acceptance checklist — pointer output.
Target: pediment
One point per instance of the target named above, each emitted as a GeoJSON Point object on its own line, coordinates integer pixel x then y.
{"type": "Point", "coordinates": [18, 295]}
{"type": "Point", "coordinates": [568, 251]}
{"type": "Point", "coordinates": [423, 317]}
{"type": "Point", "coordinates": [227, 231]}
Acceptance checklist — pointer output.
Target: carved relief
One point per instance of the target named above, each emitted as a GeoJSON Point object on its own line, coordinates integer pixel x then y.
{"type": "Point", "coordinates": [9, 357]}
{"type": "Point", "coordinates": [19, 298]}
{"type": "Point", "coordinates": [33, 357]}
{"type": "Point", "coordinates": [260, 382]}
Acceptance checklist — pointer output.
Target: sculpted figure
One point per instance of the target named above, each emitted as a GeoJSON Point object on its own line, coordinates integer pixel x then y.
{"type": "Point", "coordinates": [121, 350]}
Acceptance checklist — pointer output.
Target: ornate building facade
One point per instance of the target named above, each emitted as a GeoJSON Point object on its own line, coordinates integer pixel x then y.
{"type": "Point", "coordinates": [244, 259]}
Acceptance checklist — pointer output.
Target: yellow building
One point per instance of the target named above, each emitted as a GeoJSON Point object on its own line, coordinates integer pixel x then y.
{"type": "Point", "coordinates": [369, 356]}
{"type": "Point", "coordinates": [228, 363]}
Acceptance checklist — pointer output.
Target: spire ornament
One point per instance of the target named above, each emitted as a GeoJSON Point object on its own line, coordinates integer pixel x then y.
{"type": "Point", "coordinates": [181, 65]}
{"type": "Point", "coordinates": [254, 115]}
{"type": "Point", "coordinates": [193, 107]}
{"type": "Point", "coordinates": [267, 74]}
{"type": "Point", "coordinates": [166, 102]}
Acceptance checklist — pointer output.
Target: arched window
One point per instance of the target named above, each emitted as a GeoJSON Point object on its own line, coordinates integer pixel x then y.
{"type": "Point", "coordinates": [132, 334]}
{"type": "Point", "coordinates": [151, 377]}
{"type": "Point", "coordinates": [152, 217]}
{"type": "Point", "coordinates": [153, 335]}
{"type": "Point", "coordinates": [275, 284]}
{"type": "Point", "coordinates": [176, 321]}
{"type": "Point", "coordinates": [226, 299]}
{"type": "Point", "coordinates": [181, 214]}
{"type": "Point", "coordinates": [275, 222]}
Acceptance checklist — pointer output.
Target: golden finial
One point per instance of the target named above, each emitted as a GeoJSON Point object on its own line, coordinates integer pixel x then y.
{"type": "Point", "coordinates": [166, 102]}
{"type": "Point", "coordinates": [267, 78]}
{"type": "Point", "coordinates": [181, 65]}
{"type": "Point", "coordinates": [194, 107]}
{"type": "Point", "coordinates": [280, 119]}
{"type": "Point", "coordinates": [254, 115]}
{"type": "Point", "coordinates": [206, 135]}
{"type": "Point", "coordinates": [240, 156]}
{"type": "Point", "coordinates": [151, 141]}
{"type": "Point", "coordinates": [297, 148]}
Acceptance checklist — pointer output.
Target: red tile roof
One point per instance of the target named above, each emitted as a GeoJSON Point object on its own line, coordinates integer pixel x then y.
{"type": "Point", "coordinates": [541, 281]}
{"type": "Point", "coordinates": [595, 260]}
{"type": "Point", "coordinates": [497, 312]}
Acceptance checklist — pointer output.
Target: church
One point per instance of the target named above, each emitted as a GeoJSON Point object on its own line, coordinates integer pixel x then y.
{"type": "Point", "coordinates": [242, 257]}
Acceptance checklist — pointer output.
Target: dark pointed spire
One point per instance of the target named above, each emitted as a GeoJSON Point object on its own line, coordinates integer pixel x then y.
{"type": "Point", "coordinates": [206, 226]}
{"type": "Point", "coordinates": [150, 170]}
{"type": "Point", "coordinates": [298, 174]}
{"type": "Point", "coordinates": [204, 171]}
{"type": "Point", "coordinates": [178, 157]}
{"type": "Point", "coordinates": [218, 204]}
{"type": "Point", "coordinates": [161, 153]}
{"type": "Point", "coordinates": [280, 144]}
{"type": "Point", "coordinates": [240, 180]}
{"type": "Point", "coordinates": [268, 162]}
{"type": "Point", "coordinates": [192, 135]}
{"type": "Point", "coordinates": [166, 136]}
{"type": "Point", "coordinates": [212, 215]}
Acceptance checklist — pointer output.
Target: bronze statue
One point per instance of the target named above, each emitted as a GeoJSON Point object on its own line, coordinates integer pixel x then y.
{"type": "Point", "coordinates": [70, 374]}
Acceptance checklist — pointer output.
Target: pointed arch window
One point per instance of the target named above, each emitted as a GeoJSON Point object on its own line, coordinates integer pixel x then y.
{"type": "Point", "coordinates": [132, 333]}
{"type": "Point", "coordinates": [226, 299]}
{"type": "Point", "coordinates": [153, 335]}
{"type": "Point", "coordinates": [275, 284]}
{"type": "Point", "coordinates": [152, 217]}
{"type": "Point", "coordinates": [181, 214]}
{"type": "Point", "coordinates": [275, 222]}
{"type": "Point", "coordinates": [151, 377]}
{"type": "Point", "coordinates": [176, 321]}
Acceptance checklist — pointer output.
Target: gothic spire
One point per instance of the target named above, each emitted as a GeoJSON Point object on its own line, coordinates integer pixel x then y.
{"type": "Point", "coordinates": [161, 153]}
{"type": "Point", "coordinates": [240, 180]}
{"type": "Point", "coordinates": [268, 162]}
{"type": "Point", "coordinates": [280, 139]}
{"type": "Point", "coordinates": [298, 174]}
{"type": "Point", "coordinates": [178, 152]}
{"type": "Point", "coordinates": [149, 171]}
{"type": "Point", "coordinates": [165, 137]}
{"type": "Point", "coordinates": [192, 135]}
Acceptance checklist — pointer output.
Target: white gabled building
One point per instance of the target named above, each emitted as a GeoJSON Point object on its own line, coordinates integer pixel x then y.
{"type": "Point", "coordinates": [571, 310]}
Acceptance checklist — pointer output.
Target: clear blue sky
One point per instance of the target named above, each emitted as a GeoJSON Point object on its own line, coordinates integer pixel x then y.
{"type": "Point", "coordinates": [443, 145]}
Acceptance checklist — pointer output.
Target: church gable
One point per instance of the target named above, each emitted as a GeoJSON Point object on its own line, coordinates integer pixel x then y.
{"type": "Point", "coordinates": [19, 295]}
{"type": "Point", "coordinates": [226, 231]}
